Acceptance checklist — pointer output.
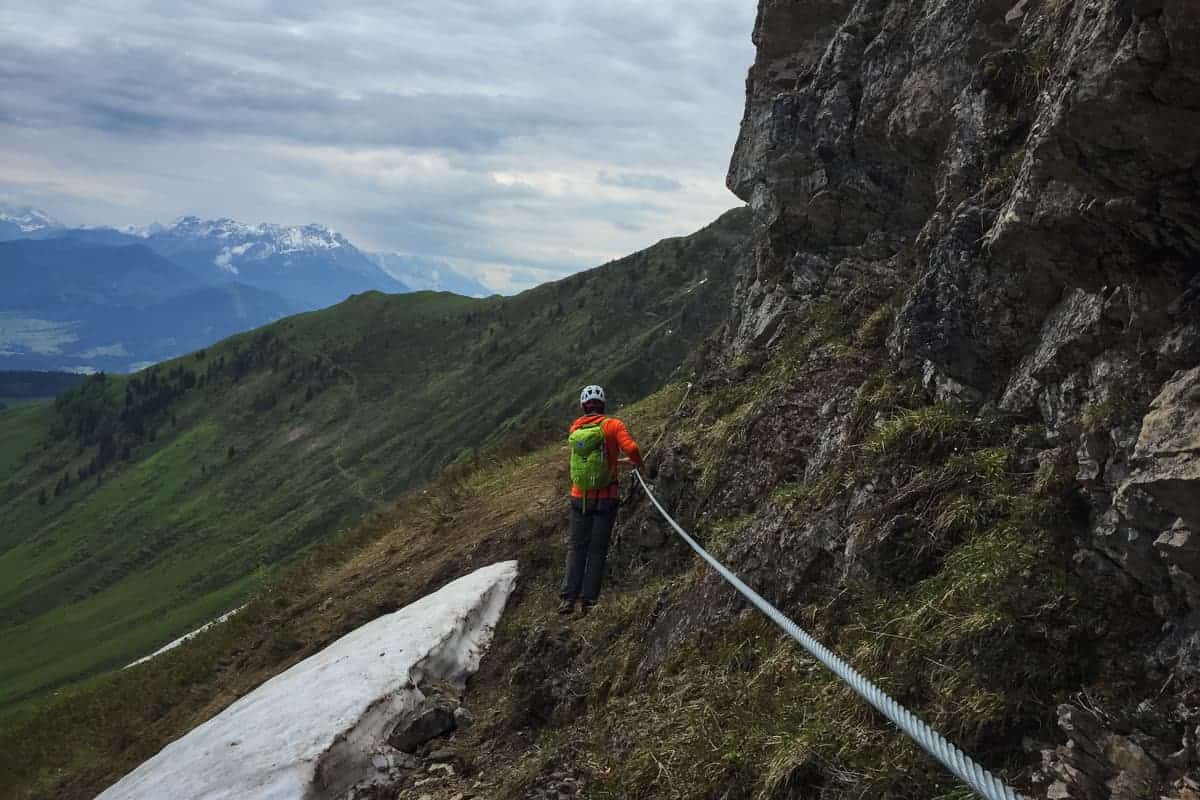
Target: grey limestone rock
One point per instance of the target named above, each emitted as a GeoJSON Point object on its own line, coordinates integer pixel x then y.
{"type": "Point", "coordinates": [1168, 449]}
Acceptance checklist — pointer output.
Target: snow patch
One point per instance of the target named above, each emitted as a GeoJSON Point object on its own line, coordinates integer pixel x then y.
{"type": "Point", "coordinates": [255, 242]}
{"type": "Point", "coordinates": [186, 637]}
{"type": "Point", "coordinates": [28, 219]}
{"type": "Point", "coordinates": [138, 231]}
{"type": "Point", "coordinates": [312, 731]}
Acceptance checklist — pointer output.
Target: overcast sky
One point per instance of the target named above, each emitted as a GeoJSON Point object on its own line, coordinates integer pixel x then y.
{"type": "Point", "coordinates": [519, 139]}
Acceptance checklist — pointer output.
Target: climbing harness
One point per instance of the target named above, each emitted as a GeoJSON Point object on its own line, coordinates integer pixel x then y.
{"type": "Point", "coordinates": [965, 768]}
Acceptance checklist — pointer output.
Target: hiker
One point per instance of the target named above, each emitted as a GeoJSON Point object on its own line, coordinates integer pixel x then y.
{"type": "Point", "coordinates": [596, 443]}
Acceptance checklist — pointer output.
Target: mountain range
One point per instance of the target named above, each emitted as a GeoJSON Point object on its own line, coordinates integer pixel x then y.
{"type": "Point", "coordinates": [105, 299]}
{"type": "Point", "coordinates": [18, 223]}
{"type": "Point", "coordinates": [431, 274]}
{"type": "Point", "coordinates": [310, 266]}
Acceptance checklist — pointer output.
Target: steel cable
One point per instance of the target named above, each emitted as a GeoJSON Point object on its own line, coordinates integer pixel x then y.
{"type": "Point", "coordinates": [963, 766]}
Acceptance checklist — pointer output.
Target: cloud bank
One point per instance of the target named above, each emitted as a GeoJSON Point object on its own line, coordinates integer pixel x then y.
{"type": "Point", "coordinates": [520, 140]}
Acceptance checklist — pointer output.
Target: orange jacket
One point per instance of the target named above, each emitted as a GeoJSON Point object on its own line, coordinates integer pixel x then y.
{"type": "Point", "coordinates": [616, 441]}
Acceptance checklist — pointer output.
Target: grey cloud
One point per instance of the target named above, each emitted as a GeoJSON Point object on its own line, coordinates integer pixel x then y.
{"type": "Point", "coordinates": [595, 73]}
{"type": "Point", "coordinates": [634, 180]}
{"type": "Point", "coordinates": [151, 92]}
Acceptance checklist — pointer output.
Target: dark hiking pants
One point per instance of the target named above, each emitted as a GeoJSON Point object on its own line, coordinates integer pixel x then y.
{"type": "Point", "coordinates": [588, 548]}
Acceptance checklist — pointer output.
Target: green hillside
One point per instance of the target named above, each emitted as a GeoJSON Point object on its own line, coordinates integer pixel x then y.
{"type": "Point", "coordinates": [139, 507]}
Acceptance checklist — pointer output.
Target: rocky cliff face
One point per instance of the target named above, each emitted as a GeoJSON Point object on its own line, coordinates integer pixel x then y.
{"type": "Point", "coordinates": [979, 216]}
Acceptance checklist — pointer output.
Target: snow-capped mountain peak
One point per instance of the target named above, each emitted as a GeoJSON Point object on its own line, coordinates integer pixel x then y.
{"type": "Point", "coordinates": [255, 242]}
{"type": "Point", "coordinates": [27, 219]}
{"type": "Point", "coordinates": [309, 237]}
{"type": "Point", "coordinates": [309, 266]}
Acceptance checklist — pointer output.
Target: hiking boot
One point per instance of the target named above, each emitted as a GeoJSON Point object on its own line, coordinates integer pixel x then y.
{"type": "Point", "coordinates": [567, 606]}
{"type": "Point", "coordinates": [585, 607]}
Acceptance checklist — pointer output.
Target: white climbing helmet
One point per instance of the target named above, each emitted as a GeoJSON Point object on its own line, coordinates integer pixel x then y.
{"type": "Point", "coordinates": [592, 392]}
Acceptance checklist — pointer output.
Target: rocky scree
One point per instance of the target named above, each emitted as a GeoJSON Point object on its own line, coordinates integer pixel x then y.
{"type": "Point", "coordinates": [420, 757]}
{"type": "Point", "coordinates": [425, 759]}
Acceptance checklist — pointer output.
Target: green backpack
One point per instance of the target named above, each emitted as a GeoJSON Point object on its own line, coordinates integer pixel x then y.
{"type": "Point", "coordinates": [589, 458]}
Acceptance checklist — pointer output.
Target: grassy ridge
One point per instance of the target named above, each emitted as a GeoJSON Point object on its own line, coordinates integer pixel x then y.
{"type": "Point", "coordinates": [138, 507]}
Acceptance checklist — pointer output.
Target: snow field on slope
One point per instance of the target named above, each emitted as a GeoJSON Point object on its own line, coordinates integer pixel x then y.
{"type": "Point", "coordinates": [329, 714]}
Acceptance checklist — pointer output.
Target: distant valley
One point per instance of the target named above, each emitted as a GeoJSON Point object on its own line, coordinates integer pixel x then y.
{"type": "Point", "coordinates": [20, 388]}
{"type": "Point", "coordinates": [107, 300]}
